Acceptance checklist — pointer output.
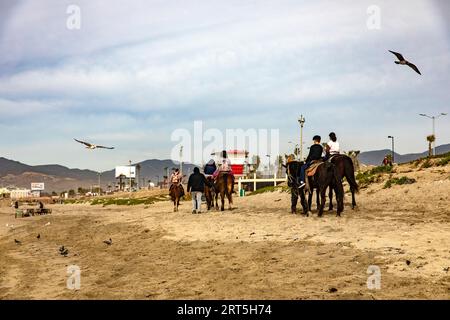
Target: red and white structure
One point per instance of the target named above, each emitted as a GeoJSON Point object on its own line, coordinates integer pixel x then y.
{"type": "Point", "coordinates": [239, 161]}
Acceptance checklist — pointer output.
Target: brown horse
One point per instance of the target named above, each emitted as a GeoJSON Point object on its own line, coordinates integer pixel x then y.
{"type": "Point", "coordinates": [210, 194]}
{"type": "Point", "coordinates": [224, 186]}
{"type": "Point", "coordinates": [345, 168]}
{"type": "Point", "coordinates": [176, 192]}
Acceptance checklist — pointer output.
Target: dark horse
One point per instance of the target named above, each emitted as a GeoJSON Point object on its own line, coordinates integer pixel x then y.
{"type": "Point", "coordinates": [224, 186]}
{"type": "Point", "coordinates": [344, 165]}
{"type": "Point", "coordinates": [210, 195]}
{"type": "Point", "coordinates": [293, 172]}
{"type": "Point", "coordinates": [176, 192]}
{"type": "Point", "coordinates": [325, 176]}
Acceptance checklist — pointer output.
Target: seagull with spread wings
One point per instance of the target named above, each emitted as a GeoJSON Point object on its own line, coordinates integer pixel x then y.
{"type": "Point", "coordinates": [93, 146]}
{"type": "Point", "coordinates": [404, 62]}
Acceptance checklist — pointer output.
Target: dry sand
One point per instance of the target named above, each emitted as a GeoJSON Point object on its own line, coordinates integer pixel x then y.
{"type": "Point", "coordinates": [257, 251]}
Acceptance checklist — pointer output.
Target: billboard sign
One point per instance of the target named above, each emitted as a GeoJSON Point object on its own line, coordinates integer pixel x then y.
{"type": "Point", "coordinates": [37, 186]}
{"type": "Point", "coordinates": [127, 171]}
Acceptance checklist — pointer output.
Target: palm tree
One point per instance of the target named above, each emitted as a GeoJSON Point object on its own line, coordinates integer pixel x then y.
{"type": "Point", "coordinates": [431, 138]}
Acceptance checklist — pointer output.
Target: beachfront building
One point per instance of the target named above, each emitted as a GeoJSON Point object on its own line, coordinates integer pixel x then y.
{"type": "Point", "coordinates": [20, 193]}
{"type": "Point", "coordinates": [239, 161]}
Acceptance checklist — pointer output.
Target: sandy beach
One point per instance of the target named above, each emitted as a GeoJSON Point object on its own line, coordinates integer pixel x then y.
{"type": "Point", "coordinates": [256, 251]}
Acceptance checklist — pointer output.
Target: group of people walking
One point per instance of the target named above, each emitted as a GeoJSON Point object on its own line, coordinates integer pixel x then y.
{"type": "Point", "coordinates": [197, 180]}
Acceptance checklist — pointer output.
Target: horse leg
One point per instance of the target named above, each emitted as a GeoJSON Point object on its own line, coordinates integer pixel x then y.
{"type": "Point", "coordinates": [304, 204]}
{"type": "Point", "coordinates": [323, 194]}
{"type": "Point", "coordinates": [230, 197]}
{"type": "Point", "coordinates": [353, 198]}
{"type": "Point", "coordinates": [216, 197]}
{"type": "Point", "coordinates": [294, 199]}
{"type": "Point", "coordinates": [340, 202]}
{"type": "Point", "coordinates": [222, 199]}
{"type": "Point", "coordinates": [310, 196]}
{"type": "Point", "coordinates": [330, 196]}
{"type": "Point", "coordinates": [317, 198]}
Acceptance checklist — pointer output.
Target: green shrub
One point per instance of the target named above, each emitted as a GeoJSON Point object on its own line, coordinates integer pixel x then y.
{"type": "Point", "coordinates": [444, 161]}
{"type": "Point", "coordinates": [270, 189]}
{"type": "Point", "coordinates": [371, 176]}
{"type": "Point", "coordinates": [398, 181]}
{"type": "Point", "coordinates": [127, 201]}
{"type": "Point", "coordinates": [426, 164]}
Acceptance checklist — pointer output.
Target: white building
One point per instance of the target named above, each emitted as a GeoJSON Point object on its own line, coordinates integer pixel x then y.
{"type": "Point", "coordinates": [20, 193]}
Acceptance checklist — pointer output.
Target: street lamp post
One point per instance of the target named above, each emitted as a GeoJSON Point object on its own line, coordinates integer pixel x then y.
{"type": "Point", "coordinates": [392, 150]}
{"type": "Point", "coordinates": [301, 121]}
{"type": "Point", "coordinates": [433, 118]}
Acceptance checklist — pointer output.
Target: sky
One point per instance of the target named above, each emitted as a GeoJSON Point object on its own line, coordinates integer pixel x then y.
{"type": "Point", "coordinates": [136, 71]}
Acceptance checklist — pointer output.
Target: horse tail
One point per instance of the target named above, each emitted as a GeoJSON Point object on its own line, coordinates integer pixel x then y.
{"type": "Point", "coordinates": [350, 175]}
{"type": "Point", "coordinates": [225, 182]}
{"type": "Point", "coordinates": [337, 181]}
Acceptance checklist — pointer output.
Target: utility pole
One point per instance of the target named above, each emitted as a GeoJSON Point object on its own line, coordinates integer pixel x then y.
{"type": "Point", "coordinates": [99, 185]}
{"type": "Point", "coordinates": [392, 150]}
{"type": "Point", "coordinates": [181, 161]}
{"type": "Point", "coordinates": [433, 118]}
{"type": "Point", "coordinates": [130, 174]}
{"type": "Point", "coordinates": [301, 121]}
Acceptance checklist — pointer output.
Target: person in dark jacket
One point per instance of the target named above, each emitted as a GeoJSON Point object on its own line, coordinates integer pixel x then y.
{"type": "Point", "coordinates": [315, 153]}
{"type": "Point", "coordinates": [210, 167]}
{"type": "Point", "coordinates": [196, 186]}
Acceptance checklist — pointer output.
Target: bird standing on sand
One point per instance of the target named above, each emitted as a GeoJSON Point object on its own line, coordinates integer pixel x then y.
{"type": "Point", "coordinates": [108, 242]}
{"type": "Point", "coordinates": [38, 236]}
{"type": "Point", "coordinates": [17, 241]}
{"type": "Point", "coordinates": [63, 251]}
{"type": "Point", "coordinates": [92, 146]}
{"type": "Point", "coordinates": [404, 62]}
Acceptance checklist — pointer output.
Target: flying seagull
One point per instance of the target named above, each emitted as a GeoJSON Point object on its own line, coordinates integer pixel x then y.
{"type": "Point", "coordinates": [93, 146]}
{"type": "Point", "coordinates": [405, 62]}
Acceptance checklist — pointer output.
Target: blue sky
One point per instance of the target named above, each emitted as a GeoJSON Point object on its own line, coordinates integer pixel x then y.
{"type": "Point", "coordinates": [138, 70]}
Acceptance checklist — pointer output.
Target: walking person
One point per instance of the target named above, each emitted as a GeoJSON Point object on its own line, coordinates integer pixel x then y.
{"type": "Point", "coordinates": [196, 187]}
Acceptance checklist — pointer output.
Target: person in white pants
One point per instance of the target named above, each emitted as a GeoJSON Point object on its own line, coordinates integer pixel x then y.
{"type": "Point", "coordinates": [196, 201]}
{"type": "Point", "coordinates": [196, 186]}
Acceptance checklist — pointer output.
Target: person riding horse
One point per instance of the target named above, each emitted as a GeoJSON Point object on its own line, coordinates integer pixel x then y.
{"type": "Point", "coordinates": [332, 148]}
{"type": "Point", "coordinates": [315, 153]}
{"type": "Point", "coordinates": [175, 180]}
{"type": "Point", "coordinates": [225, 167]}
{"type": "Point", "coordinates": [210, 168]}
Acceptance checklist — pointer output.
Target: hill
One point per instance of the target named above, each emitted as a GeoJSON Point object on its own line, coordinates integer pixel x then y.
{"type": "Point", "coordinates": [376, 157]}
{"type": "Point", "coordinates": [60, 178]}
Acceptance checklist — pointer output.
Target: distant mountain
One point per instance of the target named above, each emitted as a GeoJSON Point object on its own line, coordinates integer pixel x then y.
{"type": "Point", "coordinates": [376, 157]}
{"type": "Point", "coordinates": [59, 178]}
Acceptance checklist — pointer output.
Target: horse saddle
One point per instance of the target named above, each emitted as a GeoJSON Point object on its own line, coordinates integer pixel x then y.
{"type": "Point", "coordinates": [311, 171]}
{"type": "Point", "coordinates": [336, 155]}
